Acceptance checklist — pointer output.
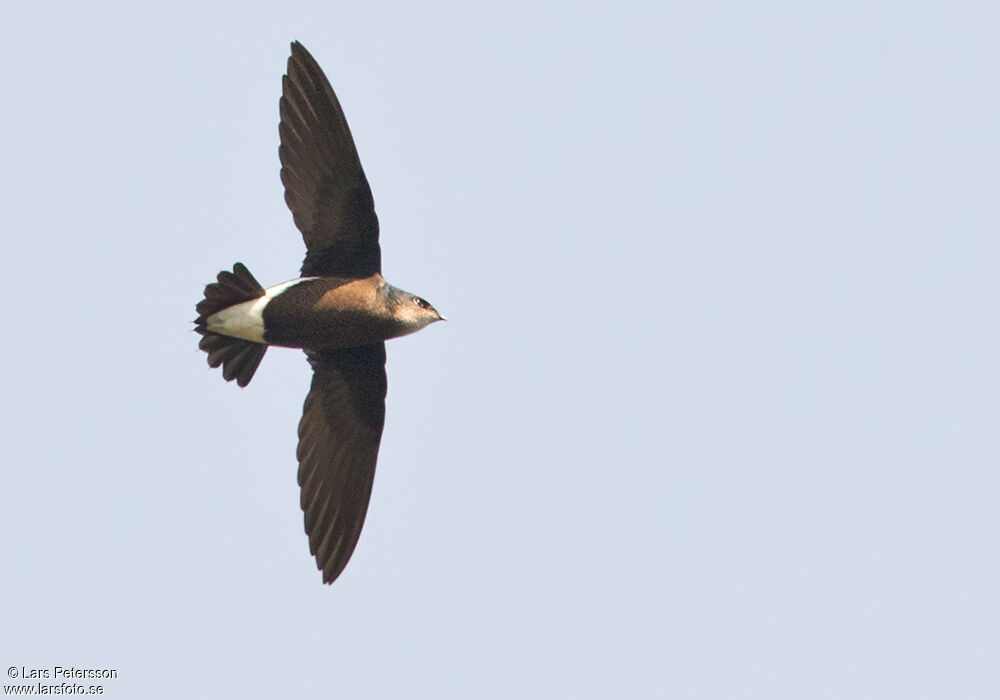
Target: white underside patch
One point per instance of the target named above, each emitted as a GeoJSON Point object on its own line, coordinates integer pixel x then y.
{"type": "Point", "coordinates": [246, 320]}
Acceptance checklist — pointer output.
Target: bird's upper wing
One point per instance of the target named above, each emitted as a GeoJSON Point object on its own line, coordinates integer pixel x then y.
{"type": "Point", "coordinates": [338, 444]}
{"type": "Point", "coordinates": [325, 187]}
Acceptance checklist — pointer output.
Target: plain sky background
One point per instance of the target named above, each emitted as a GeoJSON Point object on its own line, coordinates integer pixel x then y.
{"type": "Point", "coordinates": [715, 414]}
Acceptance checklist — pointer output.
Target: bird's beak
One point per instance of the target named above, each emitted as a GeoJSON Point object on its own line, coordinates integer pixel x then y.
{"type": "Point", "coordinates": [440, 317]}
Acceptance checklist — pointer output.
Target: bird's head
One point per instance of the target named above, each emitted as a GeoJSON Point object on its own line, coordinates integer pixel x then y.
{"type": "Point", "coordinates": [412, 312]}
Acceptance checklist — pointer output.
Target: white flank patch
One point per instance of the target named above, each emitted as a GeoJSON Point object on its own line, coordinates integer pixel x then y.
{"type": "Point", "coordinates": [246, 320]}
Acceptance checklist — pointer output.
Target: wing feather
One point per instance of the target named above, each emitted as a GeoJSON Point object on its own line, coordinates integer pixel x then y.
{"type": "Point", "coordinates": [325, 185]}
{"type": "Point", "coordinates": [339, 436]}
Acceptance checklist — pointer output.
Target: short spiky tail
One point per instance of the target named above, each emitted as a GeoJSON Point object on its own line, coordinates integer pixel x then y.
{"type": "Point", "coordinates": [239, 358]}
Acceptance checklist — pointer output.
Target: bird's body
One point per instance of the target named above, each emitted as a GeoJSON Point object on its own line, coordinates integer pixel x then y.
{"type": "Point", "coordinates": [321, 313]}
{"type": "Point", "coordinates": [340, 311]}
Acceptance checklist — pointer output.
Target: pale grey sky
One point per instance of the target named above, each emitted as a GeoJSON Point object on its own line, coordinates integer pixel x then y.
{"type": "Point", "coordinates": [714, 416]}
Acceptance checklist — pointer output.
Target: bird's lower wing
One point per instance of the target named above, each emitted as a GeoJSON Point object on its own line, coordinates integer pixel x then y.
{"type": "Point", "coordinates": [339, 437]}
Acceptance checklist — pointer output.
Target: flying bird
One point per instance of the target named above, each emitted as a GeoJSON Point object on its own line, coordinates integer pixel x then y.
{"type": "Point", "coordinates": [340, 310]}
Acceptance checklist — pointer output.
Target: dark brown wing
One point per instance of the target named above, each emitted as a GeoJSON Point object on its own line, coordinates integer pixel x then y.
{"type": "Point", "coordinates": [325, 187]}
{"type": "Point", "coordinates": [338, 444]}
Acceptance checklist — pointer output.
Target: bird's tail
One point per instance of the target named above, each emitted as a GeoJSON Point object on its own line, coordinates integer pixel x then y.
{"type": "Point", "coordinates": [239, 358]}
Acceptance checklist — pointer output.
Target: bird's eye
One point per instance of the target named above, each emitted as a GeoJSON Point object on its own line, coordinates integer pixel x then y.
{"type": "Point", "coordinates": [420, 302]}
